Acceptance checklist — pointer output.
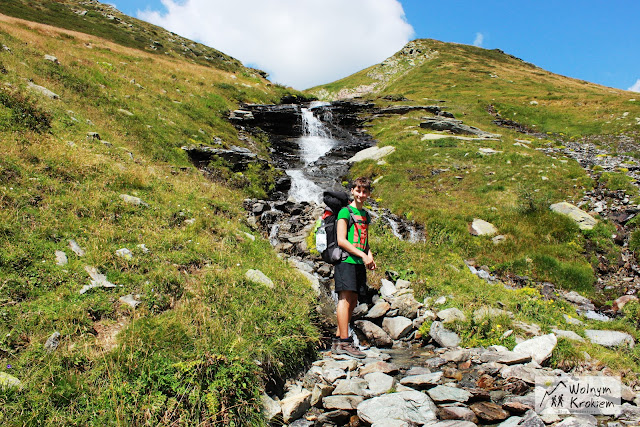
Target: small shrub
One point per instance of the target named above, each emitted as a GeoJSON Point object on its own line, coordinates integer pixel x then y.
{"type": "Point", "coordinates": [631, 311]}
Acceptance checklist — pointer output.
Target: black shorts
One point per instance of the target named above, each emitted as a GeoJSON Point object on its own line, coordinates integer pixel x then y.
{"type": "Point", "coordinates": [350, 277]}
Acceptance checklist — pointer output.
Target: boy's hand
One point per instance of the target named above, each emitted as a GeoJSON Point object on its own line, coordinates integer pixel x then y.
{"type": "Point", "coordinates": [369, 262]}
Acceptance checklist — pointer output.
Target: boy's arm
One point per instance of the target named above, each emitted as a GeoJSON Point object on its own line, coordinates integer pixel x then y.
{"type": "Point", "coordinates": [344, 243]}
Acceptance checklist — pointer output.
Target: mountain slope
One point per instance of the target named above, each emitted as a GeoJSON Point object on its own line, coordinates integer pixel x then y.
{"type": "Point", "coordinates": [100, 164]}
{"type": "Point", "coordinates": [445, 182]}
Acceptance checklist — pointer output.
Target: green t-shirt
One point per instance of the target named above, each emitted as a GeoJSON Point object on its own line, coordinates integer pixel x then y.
{"type": "Point", "coordinates": [357, 234]}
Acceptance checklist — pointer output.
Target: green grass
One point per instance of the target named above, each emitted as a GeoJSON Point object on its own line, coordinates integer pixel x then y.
{"type": "Point", "coordinates": [204, 340]}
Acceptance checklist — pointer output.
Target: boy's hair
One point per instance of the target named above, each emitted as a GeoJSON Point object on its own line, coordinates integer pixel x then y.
{"type": "Point", "coordinates": [363, 181]}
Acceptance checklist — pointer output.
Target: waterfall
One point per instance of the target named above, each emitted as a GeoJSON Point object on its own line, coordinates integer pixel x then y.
{"type": "Point", "coordinates": [315, 142]}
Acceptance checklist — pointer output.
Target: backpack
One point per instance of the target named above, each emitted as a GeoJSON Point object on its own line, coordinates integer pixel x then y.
{"type": "Point", "coordinates": [327, 230]}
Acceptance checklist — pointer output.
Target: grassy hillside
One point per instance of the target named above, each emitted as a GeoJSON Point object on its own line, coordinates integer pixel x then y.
{"type": "Point", "coordinates": [446, 183]}
{"type": "Point", "coordinates": [197, 348]}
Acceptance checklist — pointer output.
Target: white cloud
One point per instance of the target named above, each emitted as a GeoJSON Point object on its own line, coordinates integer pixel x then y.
{"type": "Point", "coordinates": [299, 43]}
{"type": "Point", "coordinates": [635, 87]}
{"type": "Point", "coordinates": [478, 40]}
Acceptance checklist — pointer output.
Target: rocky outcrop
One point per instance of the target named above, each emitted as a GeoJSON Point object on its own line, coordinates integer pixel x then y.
{"type": "Point", "coordinates": [454, 126]}
{"type": "Point", "coordinates": [238, 158]}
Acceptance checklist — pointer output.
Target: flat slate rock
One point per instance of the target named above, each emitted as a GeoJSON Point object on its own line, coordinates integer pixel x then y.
{"type": "Point", "coordinates": [422, 381]}
{"type": "Point", "coordinates": [409, 406]}
{"type": "Point", "coordinates": [583, 219]}
{"type": "Point", "coordinates": [609, 338]}
{"type": "Point", "coordinates": [445, 393]}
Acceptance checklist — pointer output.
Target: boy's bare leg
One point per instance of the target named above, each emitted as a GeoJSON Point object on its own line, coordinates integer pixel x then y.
{"type": "Point", "coordinates": [347, 301]}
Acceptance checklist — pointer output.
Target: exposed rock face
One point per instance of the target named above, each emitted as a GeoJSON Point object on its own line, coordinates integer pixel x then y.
{"type": "Point", "coordinates": [238, 158]}
{"type": "Point", "coordinates": [609, 338]}
{"type": "Point", "coordinates": [454, 126]}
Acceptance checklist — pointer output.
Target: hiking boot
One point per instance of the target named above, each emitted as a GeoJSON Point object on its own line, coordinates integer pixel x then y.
{"type": "Point", "coordinates": [349, 349]}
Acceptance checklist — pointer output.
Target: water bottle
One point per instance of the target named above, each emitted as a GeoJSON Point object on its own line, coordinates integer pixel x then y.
{"type": "Point", "coordinates": [321, 239]}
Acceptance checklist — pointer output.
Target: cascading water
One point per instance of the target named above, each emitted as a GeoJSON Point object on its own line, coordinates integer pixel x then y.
{"type": "Point", "coordinates": [315, 142]}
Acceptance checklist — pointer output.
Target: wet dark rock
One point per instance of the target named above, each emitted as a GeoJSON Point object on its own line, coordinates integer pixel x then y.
{"type": "Point", "coordinates": [239, 158]}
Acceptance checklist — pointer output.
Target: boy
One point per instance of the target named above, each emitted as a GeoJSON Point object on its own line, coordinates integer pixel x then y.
{"type": "Point", "coordinates": [350, 275]}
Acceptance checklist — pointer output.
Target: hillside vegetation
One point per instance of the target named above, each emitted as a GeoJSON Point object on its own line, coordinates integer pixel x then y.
{"type": "Point", "coordinates": [446, 183]}
{"type": "Point", "coordinates": [198, 346]}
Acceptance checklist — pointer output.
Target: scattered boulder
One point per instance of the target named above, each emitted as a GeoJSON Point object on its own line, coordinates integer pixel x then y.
{"type": "Point", "coordinates": [379, 383]}
{"type": "Point", "coordinates": [130, 300]}
{"type": "Point", "coordinates": [124, 253]}
{"type": "Point", "coordinates": [52, 342]}
{"type": "Point", "coordinates": [622, 301]}
{"type": "Point", "coordinates": [271, 408]}
{"type": "Point", "coordinates": [397, 327]}
{"type": "Point", "coordinates": [583, 219]}
{"type": "Point", "coordinates": [443, 336]}
{"type": "Point", "coordinates": [374, 333]}
{"type": "Point", "coordinates": [8, 382]}
{"type": "Point", "coordinates": [539, 348]}
{"type": "Point", "coordinates": [76, 248]}
{"type": "Point", "coordinates": [609, 338]}
{"type": "Point", "coordinates": [480, 227]}
{"type": "Point", "coordinates": [451, 315]}
{"type": "Point", "coordinates": [372, 153]}
{"type": "Point", "coordinates": [570, 335]}
{"type": "Point", "coordinates": [489, 412]}
{"type": "Point", "coordinates": [98, 280]}
{"type": "Point", "coordinates": [42, 90]}
{"type": "Point", "coordinates": [294, 406]}
{"type": "Point", "coordinates": [408, 406]}
{"type": "Point", "coordinates": [61, 258]}
{"type": "Point", "coordinates": [445, 393]}
{"type": "Point", "coordinates": [257, 276]}
{"type": "Point", "coordinates": [344, 402]}
{"type": "Point", "coordinates": [132, 200]}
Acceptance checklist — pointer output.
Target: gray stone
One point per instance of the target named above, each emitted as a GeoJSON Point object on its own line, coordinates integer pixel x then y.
{"type": "Point", "coordinates": [409, 406]}
{"type": "Point", "coordinates": [422, 381]}
{"type": "Point", "coordinates": [510, 422]}
{"type": "Point", "coordinates": [539, 348]}
{"type": "Point", "coordinates": [576, 298]}
{"type": "Point", "coordinates": [52, 342]}
{"type": "Point", "coordinates": [525, 373]}
{"type": "Point", "coordinates": [391, 423]}
{"type": "Point", "coordinates": [397, 327]}
{"type": "Point", "coordinates": [379, 383]}
{"type": "Point", "coordinates": [418, 370]}
{"type": "Point", "coordinates": [124, 253]}
{"type": "Point", "coordinates": [531, 419]}
{"type": "Point", "coordinates": [351, 386]}
{"type": "Point", "coordinates": [443, 336]}
{"type": "Point", "coordinates": [42, 90]}
{"type": "Point", "coordinates": [403, 284]}
{"type": "Point", "coordinates": [387, 288]}
{"type": "Point", "coordinates": [570, 335]}
{"type": "Point", "coordinates": [440, 301]}
{"type": "Point", "coordinates": [257, 276]}
{"type": "Point", "coordinates": [406, 305]}
{"type": "Point", "coordinates": [454, 423]}
{"type": "Point", "coordinates": [583, 219]}
{"type": "Point", "coordinates": [609, 338]}
{"type": "Point", "coordinates": [320, 391]}
{"type": "Point", "coordinates": [294, 406]}
{"type": "Point", "coordinates": [487, 151]}
{"type": "Point", "coordinates": [574, 421]}
{"type": "Point", "coordinates": [445, 393]}
{"type": "Point", "coordinates": [346, 403]}
{"type": "Point", "coordinates": [505, 357]}
{"type": "Point", "coordinates": [61, 258]}
{"type": "Point", "coordinates": [592, 315]}
{"type": "Point", "coordinates": [76, 248]}
{"type": "Point", "coordinates": [372, 153]}
{"type": "Point", "coordinates": [98, 280]}
{"type": "Point", "coordinates": [374, 333]}
{"type": "Point", "coordinates": [451, 315]}
{"type": "Point", "coordinates": [480, 227]}
{"type": "Point", "coordinates": [379, 309]}
{"type": "Point", "coordinates": [333, 418]}
{"type": "Point", "coordinates": [333, 374]}
{"type": "Point", "coordinates": [130, 300]}
{"type": "Point", "coordinates": [270, 408]}
{"type": "Point", "coordinates": [8, 382]}
{"type": "Point", "coordinates": [380, 366]}
{"type": "Point", "coordinates": [572, 320]}
{"type": "Point", "coordinates": [360, 310]}
{"type": "Point", "coordinates": [461, 355]}
{"type": "Point", "coordinates": [454, 126]}
{"type": "Point", "coordinates": [457, 413]}
{"type": "Point", "coordinates": [528, 328]}
{"type": "Point", "coordinates": [132, 200]}
{"type": "Point", "coordinates": [125, 112]}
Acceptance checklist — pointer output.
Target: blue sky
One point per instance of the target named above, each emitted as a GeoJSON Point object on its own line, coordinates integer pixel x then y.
{"type": "Point", "coordinates": [303, 43]}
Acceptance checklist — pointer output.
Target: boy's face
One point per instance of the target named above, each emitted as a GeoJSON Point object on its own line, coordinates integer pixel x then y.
{"type": "Point", "coordinates": [360, 193]}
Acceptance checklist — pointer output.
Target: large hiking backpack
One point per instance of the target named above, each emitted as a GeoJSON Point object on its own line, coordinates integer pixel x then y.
{"type": "Point", "coordinates": [327, 231]}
